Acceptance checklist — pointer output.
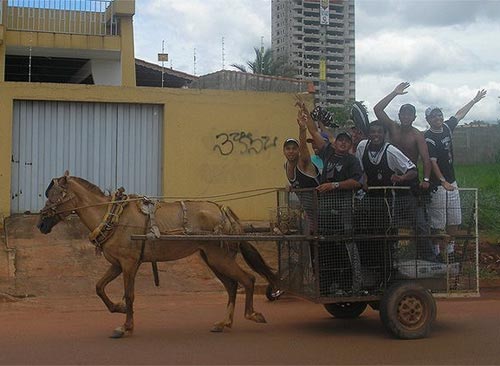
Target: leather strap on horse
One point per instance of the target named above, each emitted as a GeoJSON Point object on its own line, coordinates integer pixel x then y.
{"type": "Point", "coordinates": [148, 207]}
{"type": "Point", "coordinates": [107, 227]}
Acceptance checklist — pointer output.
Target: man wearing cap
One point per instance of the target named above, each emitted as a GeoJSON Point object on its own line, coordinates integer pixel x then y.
{"type": "Point", "coordinates": [444, 210]}
{"type": "Point", "coordinates": [404, 136]}
{"type": "Point", "coordinates": [300, 170]}
{"type": "Point", "coordinates": [341, 174]}
{"type": "Point", "coordinates": [356, 133]}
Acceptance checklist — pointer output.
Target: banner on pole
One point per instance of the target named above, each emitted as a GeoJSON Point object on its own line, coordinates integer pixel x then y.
{"type": "Point", "coordinates": [163, 57]}
{"type": "Point", "coordinates": [324, 12]}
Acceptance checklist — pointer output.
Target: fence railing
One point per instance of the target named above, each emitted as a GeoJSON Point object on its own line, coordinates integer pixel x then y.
{"type": "Point", "coordinates": [86, 17]}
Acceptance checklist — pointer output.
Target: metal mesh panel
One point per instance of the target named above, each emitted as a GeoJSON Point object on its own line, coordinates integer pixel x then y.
{"type": "Point", "coordinates": [360, 243]}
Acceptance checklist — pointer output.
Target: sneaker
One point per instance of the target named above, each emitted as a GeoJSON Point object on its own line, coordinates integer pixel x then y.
{"type": "Point", "coordinates": [277, 293]}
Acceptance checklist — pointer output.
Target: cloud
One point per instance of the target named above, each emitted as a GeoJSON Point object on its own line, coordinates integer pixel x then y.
{"type": "Point", "coordinates": [199, 24]}
{"type": "Point", "coordinates": [410, 56]}
{"type": "Point", "coordinates": [404, 14]}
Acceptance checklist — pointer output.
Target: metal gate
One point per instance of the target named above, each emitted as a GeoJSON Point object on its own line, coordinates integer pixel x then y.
{"type": "Point", "coordinates": [109, 144]}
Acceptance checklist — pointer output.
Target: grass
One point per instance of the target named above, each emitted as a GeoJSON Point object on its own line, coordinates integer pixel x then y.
{"type": "Point", "coordinates": [486, 177]}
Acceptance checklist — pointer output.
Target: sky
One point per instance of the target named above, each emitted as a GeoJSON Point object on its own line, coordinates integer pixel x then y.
{"type": "Point", "coordinates": [446, 49]}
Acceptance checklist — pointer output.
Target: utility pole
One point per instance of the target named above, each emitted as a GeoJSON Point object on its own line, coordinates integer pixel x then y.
{"type": "Point", "coordinates": [262, 54]}
{"type": "Point", "coordinates": [162, 57]}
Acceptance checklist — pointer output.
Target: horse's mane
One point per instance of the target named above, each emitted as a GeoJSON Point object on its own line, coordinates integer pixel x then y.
{"type": "Point", "coordinates": [90, 186]}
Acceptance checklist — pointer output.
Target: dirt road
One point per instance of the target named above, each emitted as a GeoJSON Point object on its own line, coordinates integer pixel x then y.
{"type": "Point", "coordinates": [174, 329]}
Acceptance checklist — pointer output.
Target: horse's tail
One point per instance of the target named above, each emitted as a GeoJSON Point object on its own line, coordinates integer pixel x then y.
{"type": "Point", "coordinates": [250, 254]}
{"type": "Point", "coordinates": [255, 261]}
{"type": "Point", "coordinates": [233, 220]}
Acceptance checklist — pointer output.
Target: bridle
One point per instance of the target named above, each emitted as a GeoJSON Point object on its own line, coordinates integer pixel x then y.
{"type": "Point", "coordinates": [51, 210]}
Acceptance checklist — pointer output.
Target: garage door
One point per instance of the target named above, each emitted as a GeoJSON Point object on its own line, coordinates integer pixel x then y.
{"type": "Point", "coordinates": [109, 144]}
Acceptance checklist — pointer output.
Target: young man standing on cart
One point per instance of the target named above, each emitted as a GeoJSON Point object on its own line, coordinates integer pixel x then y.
{"type": "Point", "coordinates": [384, 165]}
{"type": "Point", "coordinates": [444, 210]}
{"type": "Point", "coordinates": [411, 142]}
{"type": "Point", "coordinates": [339, 265]}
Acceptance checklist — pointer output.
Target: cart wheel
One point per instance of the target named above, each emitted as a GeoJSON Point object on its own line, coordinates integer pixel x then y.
{"type": "Point", "coordinates": [346, 310]}
{"type": "Point", "coordinates": [273, 294]}
{"type": "Point", "coordinates": [408, 310]}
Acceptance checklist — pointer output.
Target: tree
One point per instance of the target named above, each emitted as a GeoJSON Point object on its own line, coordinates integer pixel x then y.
{"type": "Point", "coordinates": [265, 64]}
{"type": "Point", "coordinates": [342, 114]}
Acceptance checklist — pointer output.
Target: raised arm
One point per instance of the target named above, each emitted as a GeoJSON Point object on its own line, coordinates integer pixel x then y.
{"type": "Point", "coordinates": [466, 108]}
{"type": "Point", "coordinates": [379, 108]}
{"type": "Point", "coordinates": [311, 125]}
{"type": "Point", "coordinates": [305, 163]}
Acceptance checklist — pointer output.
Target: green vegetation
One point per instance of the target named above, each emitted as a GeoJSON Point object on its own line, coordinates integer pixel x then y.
{"type": "Point", "coordinates": [266, 64]}
{"type": "Point", "coordinates": [486, 177]}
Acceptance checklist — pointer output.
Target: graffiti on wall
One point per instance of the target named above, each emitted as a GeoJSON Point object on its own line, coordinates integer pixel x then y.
{"type": "Point", "coordinates": [241, 142]}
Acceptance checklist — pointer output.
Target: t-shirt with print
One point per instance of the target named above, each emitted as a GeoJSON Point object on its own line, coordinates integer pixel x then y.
{"type": "Point", "coordinates": [337, 168]}
{"type": "Point", "coordinates": [440, 145]}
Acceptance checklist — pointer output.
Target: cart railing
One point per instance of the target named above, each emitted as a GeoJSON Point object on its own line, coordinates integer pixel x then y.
{"type": "Point", "coordinates": [359, 243]}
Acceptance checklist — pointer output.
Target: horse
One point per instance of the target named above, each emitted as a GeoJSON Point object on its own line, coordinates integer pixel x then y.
{"type": "Point", "coordinates": [104, 214]}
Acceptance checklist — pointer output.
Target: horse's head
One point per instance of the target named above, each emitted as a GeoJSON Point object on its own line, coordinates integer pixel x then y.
{"type": "Point", "coordinates": [59, 204]}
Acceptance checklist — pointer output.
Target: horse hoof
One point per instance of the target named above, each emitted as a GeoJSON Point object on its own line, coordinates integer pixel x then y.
{"type": "Point", "coordinates": [217, 328]}
{"type": "Point", "coordinates": [118, 333]}
{"type": "Point", "coordinates": [258, 318]}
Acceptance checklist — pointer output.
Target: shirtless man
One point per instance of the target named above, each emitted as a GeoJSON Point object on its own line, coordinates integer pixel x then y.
{"type": "Point", "coordinates": [412, 143]}
{"type": "Point", "coordinates": [404, 136]}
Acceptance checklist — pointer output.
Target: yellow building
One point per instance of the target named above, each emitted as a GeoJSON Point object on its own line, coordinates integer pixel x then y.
{"type": "Point", "coordinates": [69, 100]}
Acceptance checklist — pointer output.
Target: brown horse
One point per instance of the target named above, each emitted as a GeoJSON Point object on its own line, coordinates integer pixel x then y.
{"type": "Point", "coordinates": [72, 194]}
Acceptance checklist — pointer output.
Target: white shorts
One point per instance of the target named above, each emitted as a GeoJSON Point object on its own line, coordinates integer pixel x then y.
{"type": "Point", "coordinates": [444, 209]}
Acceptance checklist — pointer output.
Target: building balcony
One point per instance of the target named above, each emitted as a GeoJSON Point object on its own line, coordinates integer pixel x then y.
{"type": "Point", "coordinates": [91, 17]}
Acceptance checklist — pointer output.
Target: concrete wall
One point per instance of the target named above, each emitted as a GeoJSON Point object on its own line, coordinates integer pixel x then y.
{"type": "Point", "coordinates": [215, 142]}
{"type": "Point", "coordinates": [472, 145]}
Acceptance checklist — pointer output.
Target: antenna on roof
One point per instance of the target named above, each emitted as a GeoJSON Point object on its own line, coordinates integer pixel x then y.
{"type": "Point", "coordinates": [262, 54]}
{"type": "Point", "coordinates": [162, 57]}
{"type": "Point", "coordinates": [194, 62]}
{"type": "Point", "coordinates": [223, 55]}
{"type": "Point", "coordinates": [29, 59]}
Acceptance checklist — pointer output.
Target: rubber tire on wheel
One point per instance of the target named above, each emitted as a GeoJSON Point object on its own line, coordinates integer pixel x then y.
{"type": "Point", "coordinates": [346, 310]}
{"type": "Point", "coordinates": [270, 293]}
{"type": "Point", "coordinates": [407, 310]}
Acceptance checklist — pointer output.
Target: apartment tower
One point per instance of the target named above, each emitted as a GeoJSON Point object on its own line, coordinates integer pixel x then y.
{"type": "Point", "coordinates": [316, 38]}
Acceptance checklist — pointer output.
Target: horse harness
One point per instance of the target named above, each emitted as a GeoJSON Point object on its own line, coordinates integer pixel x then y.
{"type": "Point", "coordinates": [107, 227]}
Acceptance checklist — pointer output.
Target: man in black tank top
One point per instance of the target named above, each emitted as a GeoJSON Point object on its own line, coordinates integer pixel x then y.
{"type": "Point", "coordinates": [384, 165]}
{"type": "Point", "coordinates": [300, 171]}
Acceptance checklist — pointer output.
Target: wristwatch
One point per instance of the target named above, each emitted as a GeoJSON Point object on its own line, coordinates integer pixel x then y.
{"type": "Point", "coordinates": [426, 180]}
{"type": "Point", "coordinates": [335, 184]}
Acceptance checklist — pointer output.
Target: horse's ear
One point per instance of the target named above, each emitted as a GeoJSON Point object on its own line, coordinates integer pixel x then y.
{"type": "Point", "coordinates": [66, 173]}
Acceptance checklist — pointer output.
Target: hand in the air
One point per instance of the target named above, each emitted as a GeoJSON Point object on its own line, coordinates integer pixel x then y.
{"type": "Point", "coordinates": [401, 88]}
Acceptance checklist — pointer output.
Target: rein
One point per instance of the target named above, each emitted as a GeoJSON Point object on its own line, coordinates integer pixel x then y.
{"type": "Point", "coordinates": [140, 198]}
